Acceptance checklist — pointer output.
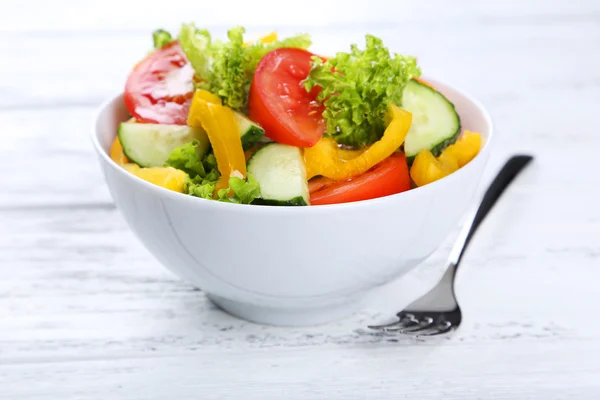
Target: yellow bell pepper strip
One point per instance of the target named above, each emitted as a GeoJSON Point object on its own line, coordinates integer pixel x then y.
{"type": "Point", "coordinates": [117, 154]}
{"type": "Point", "coordinates": [327, 159]}
{"type": "Point", "coordinates": [267, 39]}
{"type": "Point", "coordinates": [222, 130]}
{"type": "Point", "coordinates": [207, 96]}
{"type": "Point", "coordinates": [167, 177]}
{"type": "Point", "coordinates": [423, 82]}
{"type": "Point", "coordinates": [465, 148]}
{"type": "Point", "coordinates": [426, 168]}
{"type": "Point", "coordinates": [348, 155]}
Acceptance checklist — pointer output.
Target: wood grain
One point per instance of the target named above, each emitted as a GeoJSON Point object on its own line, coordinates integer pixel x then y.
{"type": "Point", "coordinates": [87, 313]}
{"type": "Point", "coordinates": [548, 371]}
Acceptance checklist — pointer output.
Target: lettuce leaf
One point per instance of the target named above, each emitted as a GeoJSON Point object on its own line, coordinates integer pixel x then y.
{"type": "Point", "coordinates": [231, 74]}
{"type": "Point", "coordinates": [202, 172]}
{"type": "Point", "coordinates": [203, 185]}
{"type": "Point", "coordinates": [197, 46]}
{"type": "Point", "coordinates": [357, 88]}
{"type": "Point", "coordinates": [244, 191]}
{"type": "Point", "coordinates": [161, 38]}
{"type": "Point", "coordinates": [187, 159]}
{"type": "Point", "coordinates": [203, 188]}
{"type": "Point", "coordinates": [226, 68]}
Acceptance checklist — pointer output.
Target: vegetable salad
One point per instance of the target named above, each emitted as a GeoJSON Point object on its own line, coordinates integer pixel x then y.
{"type": "Point", "coordinates": [268, 122]}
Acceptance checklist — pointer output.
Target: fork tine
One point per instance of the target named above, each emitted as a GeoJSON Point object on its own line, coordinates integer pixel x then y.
{"type": "Point", "coordinates": [422, 332]}
{"type": "Point", "coordinates": [396, 326]}
{"type": "Point", "coordinates": [403, 320]}
{"type": "Point", "coordinates": [401, 327]}
{"type": "Point", "coordinates": [384, 326]}
{"type": "Point", "coordinates": [416, 326]}
{"type": "Point", "coordinates": [441, 329]}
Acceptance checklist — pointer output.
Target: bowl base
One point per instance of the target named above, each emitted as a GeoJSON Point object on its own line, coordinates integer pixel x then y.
{"type": "Point", "coordinates": [286, 316]}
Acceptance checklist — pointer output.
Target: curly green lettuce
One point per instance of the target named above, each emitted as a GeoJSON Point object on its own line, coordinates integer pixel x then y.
{"type": "Point", "coordinates": [357, 88]}
{"type": "Point", "coordinates": [203, 188]}
{"type": "Point", "coordinates": [226, 68]}
{"type": "Point", "coordinates": [198, 48]}
{"type": "Point", "coordinates": [161, 38]}
{"type": "Point", "coordinates": [231, 74]}
{"type": "Point", "coordinates": [188, 159]}
{"type": "Point", "coordinates": [203, 185]}
{"type": "Point", "coordinates": [244, 191]}
{"type": "Point", "coordinates": [203, 173]}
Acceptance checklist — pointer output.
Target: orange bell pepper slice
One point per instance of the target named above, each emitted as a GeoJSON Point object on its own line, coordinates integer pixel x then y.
{"type": "Point", "coordinates": [424, 82]}
{"type": "Point", "coordinates": [426, 168]}
{"type": "Point", "coordinates": [167, 177]}
{"type": "Point", "coordinates": [223, 133]}
{"type": "Point", "coordinates": [465, 148]}
{"type": "Point", "coordinates": [117, 154]}
{"type": "Point", "coordinates": [327, 159]}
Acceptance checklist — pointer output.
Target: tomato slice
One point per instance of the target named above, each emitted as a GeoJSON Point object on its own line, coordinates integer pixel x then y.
{"type": "Point", "coordinates": [160, 87]}
{"type": "Point", "coordinates": [386, 178]}
{"type": "Point", "coordinates": [280, 104]}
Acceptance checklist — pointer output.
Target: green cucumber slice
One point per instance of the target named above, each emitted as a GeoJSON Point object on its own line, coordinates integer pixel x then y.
{"type": "Point", "coordinates": [149, 145]}
{"type": "Point", "coordinates": [250, 132]}
{"type": "Point", "coordinates": [281, 173]}
{"type": "Point", "coordinates": [435, 123]}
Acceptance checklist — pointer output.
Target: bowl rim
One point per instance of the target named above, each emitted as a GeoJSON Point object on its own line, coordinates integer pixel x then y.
{"type": "Point", "coordinates": [104, 156]}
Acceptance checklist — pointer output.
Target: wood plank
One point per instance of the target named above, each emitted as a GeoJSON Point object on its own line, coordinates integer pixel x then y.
{"type": "Point", "coordinates": [48, 159]}
{"type": "Point", "coordinates": [534, 370]}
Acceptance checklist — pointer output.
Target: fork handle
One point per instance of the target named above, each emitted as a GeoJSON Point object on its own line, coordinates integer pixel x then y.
{"type": "Point", "coordinates": [507, 174]}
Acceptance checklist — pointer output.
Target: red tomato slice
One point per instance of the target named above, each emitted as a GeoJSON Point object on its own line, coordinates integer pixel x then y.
{"type": "Point", "coordinates": [386, 178]}
{"type": "Point", "coordinates": [160, 87]}
{"type": "Point", "coordinates": [280, 104]}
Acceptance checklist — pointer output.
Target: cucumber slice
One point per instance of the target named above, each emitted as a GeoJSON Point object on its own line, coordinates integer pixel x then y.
{"type": "Point", "coordinates": [149, 145]}
{"type": "Point", "coordinates": [250, 132]}
{"type": "Point", "coordinates": [281, 173]}
{"type": "Point", "coordinates": [435, 123]}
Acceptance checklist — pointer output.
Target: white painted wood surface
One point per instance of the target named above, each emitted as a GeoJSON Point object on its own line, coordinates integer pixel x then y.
{"type": "Point", "coordinates": [86, 313]}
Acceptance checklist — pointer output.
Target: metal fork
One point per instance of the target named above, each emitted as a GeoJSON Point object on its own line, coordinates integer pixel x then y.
{"type": "Point", "coordinates": [438, 312]}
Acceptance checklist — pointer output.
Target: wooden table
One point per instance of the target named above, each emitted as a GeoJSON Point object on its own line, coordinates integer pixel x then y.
{"type": "Point", "coordinates": [87, 313]}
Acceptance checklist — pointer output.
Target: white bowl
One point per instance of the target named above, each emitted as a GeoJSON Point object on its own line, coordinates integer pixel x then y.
{"type": "Point", "coordinates": [292, 265]}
